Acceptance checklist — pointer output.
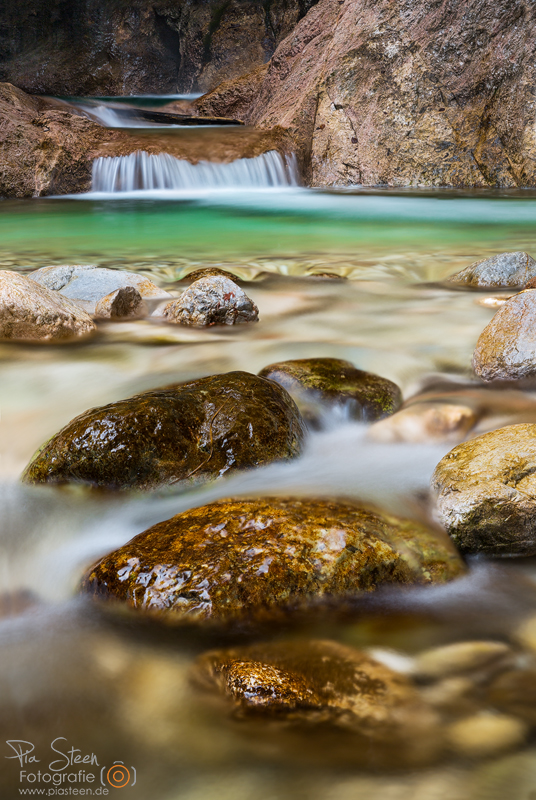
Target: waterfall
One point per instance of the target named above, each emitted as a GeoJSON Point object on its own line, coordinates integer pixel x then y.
{"type": "Point", "coordinates": [141, 171]}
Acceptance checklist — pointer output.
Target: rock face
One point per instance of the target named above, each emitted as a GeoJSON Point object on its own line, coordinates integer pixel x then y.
{"type": "Point", "coordinates": [214, 300]}
{"type": "Point", "coordinates": [504, 271]}
{"type": "Point", "coordinates": [322, 686]}
{"type": "Point", "coordinates": [125, 303]}
{"type": "Point", "coordinates": [30, 312]}
{"type": "Point", "coordinates": [320, 383]}
{"type": "Point", "coordinates": [258, 560]}
{"type": "Point", "coordinates": [486, 492]}
{"type": "Point", "coordinates": [137, 47]}
{"type": "Point", "coordinates": [197, 430]}
{"type": "Point", "coordinates": [406, 93]}
{"type": "Point", "coordinates": [87, 284]}
{"type": "Point", "coordinates": [506, 348]}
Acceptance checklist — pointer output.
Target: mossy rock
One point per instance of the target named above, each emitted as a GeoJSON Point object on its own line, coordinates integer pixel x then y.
{"type": "Point", "coordinates": [192, 431]}
{"type": "Point", "coordinates": [320, 383]}
{"type": "Point", "coordinates": [258, 560]}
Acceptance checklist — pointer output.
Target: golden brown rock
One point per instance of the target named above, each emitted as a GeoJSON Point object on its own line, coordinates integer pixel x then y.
{"type": "Point", "coordinates": [506, 348]}
{"type": "Point", "coordinates": [486, 492]}
{"type": "Point", "coordinates": [514, 692]}
{"type": "Point", "coordinates": [191, 431]}
{"type": "Point", "coordinates": [255, 560]}
{"type": "Point", "coordinates": [460, 658]}
{"type": "Point", "coordinates": [485, 734]}
{"type": "Point", "coordinates": [320, 687]}
{"type": "Point", "coordinates": [31, 312]}
{"type": "Point", "coordinates": [425, 422]}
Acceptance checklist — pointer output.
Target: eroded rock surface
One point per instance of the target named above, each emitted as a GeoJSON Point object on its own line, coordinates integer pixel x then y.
{"type": "Point", "coordinates": [259, 560]}
{"type": "Point", "coordinates": [486, 492]}
{"type": "Point", "coordinates": [320, 383]}
{"type": "Point", "coordinates": [28, 311]}
{"type": "Point", "coordinates": [324, 687]}
{"type": "Point", "coordinates": [504, 271]}
{"type": "Point", "coordinates": [198, 430]}
{"type": "Point", "coordinates": [214, 300]}
{"type": "Point", "coordinates": [506, 348]}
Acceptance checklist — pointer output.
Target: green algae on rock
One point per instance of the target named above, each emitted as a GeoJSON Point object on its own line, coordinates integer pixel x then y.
{"type": "Point", "coordinates": [322, 687]}
{"type": "Point", "coordinates": [258, 560]}
{"type": "Point", "coordinates": [486, 492]}
{"type": "Point", "coordinates": [319, 382]}
{"type": "Point", "coordinates": [197, 430]}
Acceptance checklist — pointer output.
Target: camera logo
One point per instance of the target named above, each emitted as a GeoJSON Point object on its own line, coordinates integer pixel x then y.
{"type": "Point", "coordinates": [118, 776]}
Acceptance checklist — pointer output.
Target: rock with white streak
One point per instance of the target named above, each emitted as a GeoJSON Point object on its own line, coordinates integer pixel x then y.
{"type": "Point", "coordinates": [215, 300]}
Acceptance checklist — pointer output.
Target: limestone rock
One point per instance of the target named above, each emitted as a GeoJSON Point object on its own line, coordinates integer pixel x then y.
{"type": "Point", "coordinates": [318, 383]}
{"type": "Point", "coordinates": [29, 311]}
{"type": "Point", "coordinates": [402, 94]}
{"type": "Point", "coordinates": [504, 271]}
{"type": "Point", "coordinates": [122, 303]}
{"type": "Point", "coordinates": [425, 422]}
{"type": "Point", "coordinates": [198, 430]}
{"type": "Point", "coordinates": [316, 687]}
{"type": "Point", "coordinates": [214, 300]}
{"type": "Point", "coordinates": [88, 284]}
{"type": "Point", "coordinates": [486, 492]}
{"type": "Point", "coordinates": [238, 561]}
{"type": "Point", "coordinates": [506, 348]}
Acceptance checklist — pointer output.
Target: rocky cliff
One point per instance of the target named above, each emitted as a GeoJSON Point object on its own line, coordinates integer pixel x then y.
{"type": "Point", "coordinates": [88, 47]}
{"type": "Point", "coordinates": [405, 93]}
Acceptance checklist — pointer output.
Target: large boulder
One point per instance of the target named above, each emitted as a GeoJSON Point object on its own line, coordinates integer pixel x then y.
{"type": "Point", "coordinates": [506, 348]}
{"type": "Point", "coordinates": [318, 384]}
{"type": "Point", "coordinates": [486, 492]}
{"type": "Point", "coordinates": [198, 430]}
{"type": "Point", "coordinates": [504, 271]}
{"type": "Point", "coordinates": [31, 312]}
{"type": "Point", "coordinates": [241, 561]}
{"type": "Point", "coordinates": [405, 93]}
{"type": "Point", "coordinates": [321, 690]}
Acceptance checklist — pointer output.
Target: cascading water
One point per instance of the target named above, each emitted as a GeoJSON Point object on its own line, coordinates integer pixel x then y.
{"type": "Point", "coordinates": [142, 171]}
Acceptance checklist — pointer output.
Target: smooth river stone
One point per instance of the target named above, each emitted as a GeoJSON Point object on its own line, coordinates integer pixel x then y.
{"type": "Point", "coordinates": [320, 383]}
{"type": "Point", "coordinates": [503, 271]}
{"type": "Point", "coordinates": [506, 348]}
{"type": "Point", "coordinates": [28, 311]}
{"type": "Point", "coordinates": [190, 431]}
{"type": "Point", "coordinates": [317, 689]}
{"type": "Point", "coordinates": [486, 492]}
{"type": "Point", "coordinates": [238, 561]}
{"type": "Point", "coordinates": [214, 300]}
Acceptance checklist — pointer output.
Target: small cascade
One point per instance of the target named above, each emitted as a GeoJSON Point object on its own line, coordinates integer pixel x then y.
{"type": "Point", "coordinates": [143, 172]}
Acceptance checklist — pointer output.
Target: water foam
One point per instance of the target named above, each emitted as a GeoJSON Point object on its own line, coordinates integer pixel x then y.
{"type": "Point", "coordinates": [141, 171]}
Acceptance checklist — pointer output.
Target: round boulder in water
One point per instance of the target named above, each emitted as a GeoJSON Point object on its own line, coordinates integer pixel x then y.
{"type": "Point", "coordinates": [214, 300]}
{"type": "Point", "coordinates": [249, 561]}
{"type": "Point", "coordinates": [486, 492]}
{"type": "Point", "coordinates": [506, 348]}
{"type": "Point", "coordinates": [320, 383]}
{"type": "Point", "coordinates": [503, 271]}
{"type": "Point", "coordinates": [322, 700]}
{"type": "Point", "coordinates": [198, 430]}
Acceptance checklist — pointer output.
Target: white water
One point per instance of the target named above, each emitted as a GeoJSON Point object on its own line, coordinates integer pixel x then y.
{"type": "Point", "coordinates": [143, 172]}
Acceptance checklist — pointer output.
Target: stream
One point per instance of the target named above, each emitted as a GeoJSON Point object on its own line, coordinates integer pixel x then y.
{"type": "Point", "coordinates": [119, 689]}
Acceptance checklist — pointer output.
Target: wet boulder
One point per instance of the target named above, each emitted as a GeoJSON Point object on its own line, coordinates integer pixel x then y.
{"type": "Point", "coordinates": [503, 271]}
{"type": "Point", "coordinates": [86, 284]}
{"type": "Point", "coordinates": [213, 300]}
{"type": "Point", "coordinates": [340, 702]}
{"type": "Point", "coordinates": [31, 312]}
{"type": "Point", "coordinates": [241, 561]}
{"type": "Point", "coordinates": [124, 303]}
{"type": "Point", "coordinates": [319, 384]}
{"type": "Point", "coordinates": [506, 348]}
{"type": "Point", "coordinates": [486, 492]}
{"type": "Point", "coordinates": [192, 431]}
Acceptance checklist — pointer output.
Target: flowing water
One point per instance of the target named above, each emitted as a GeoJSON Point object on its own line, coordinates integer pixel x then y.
{"type": "Point", "coordinates": [121, 691]}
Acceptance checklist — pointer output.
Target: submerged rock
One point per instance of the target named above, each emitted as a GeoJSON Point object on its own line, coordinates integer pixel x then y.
{"type": "Point", "coordinates": [213, 300]}
{"type": "Point", "coordinates": [506, 348]}
{"type": "Point", "coordinates": [198, 430]}
{"type": "Point", "coordinates": [486, 734]}
{"type": "Point", "coordinates": [87, 284]}
{"type": "Point", "coordinates": [259, 560]}
{"type": "Point", "coordinates": [320, 687]}
{"type": "Point", "coordinates": [123, 303]}
{"type": "Point", "coordinates": [486, 492]}
{"type": "Point", "coordinates": [317, 383]}
{"type": "Point", "coordinates": [425, 422]}
{"type": "Point", "coordinates": [31, 312]}
{"type": "Point", "coordinates": [460, 658]}
{"type": "Point", "coordinates": [504, 271]}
